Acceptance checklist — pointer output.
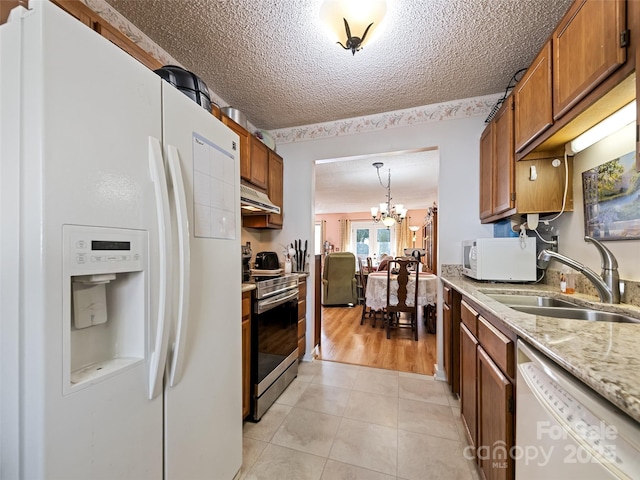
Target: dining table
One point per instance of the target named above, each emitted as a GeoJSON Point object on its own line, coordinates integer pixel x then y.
{"type": "Point", "coordinates": [376, 293]}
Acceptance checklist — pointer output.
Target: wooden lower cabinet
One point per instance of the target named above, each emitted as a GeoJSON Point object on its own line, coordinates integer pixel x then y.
{"type": "Point", "coordinates": [451, 337]}
{"type": "Point", "coordinates": [468, 383]}
{"type": "Point", "coordinates": [302, 321]}
{"type": "Point", "coordinates": [487, 394]}
{"type": "Point", "coordinates": [495, 420]}
{"type": "Point", "coordinates": [246, 353]}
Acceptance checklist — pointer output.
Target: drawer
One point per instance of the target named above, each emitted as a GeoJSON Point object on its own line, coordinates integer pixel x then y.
{"type": "Point", "coordinates": [469, 317]}
{"type": "Point", "coordinates": [301, 346]}
{"type": "Point", "coordinates": [499, 347]}
{"type": "Point", "coordinates": [446, 291]}
{"type": "Point", "coordinates": [302, 309]}
{"type": "Point", "coordinates": [302, 288]}
{"type": "Point", "coordinates": [302, 326]}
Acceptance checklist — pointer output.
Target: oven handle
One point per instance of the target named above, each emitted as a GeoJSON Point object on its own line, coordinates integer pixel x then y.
{"type": "Point", "coordinates": [264, 305]}
{"type": "Point", "coordinates": [285, 288]}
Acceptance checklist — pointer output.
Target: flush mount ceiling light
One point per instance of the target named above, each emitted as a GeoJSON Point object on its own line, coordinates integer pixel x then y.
{"type": "Point", "coordinates": [389, 215]}
{"type": "Point", "coordinates": [609, 125]}
{"type": "Point", "coordinates": [354, 22]}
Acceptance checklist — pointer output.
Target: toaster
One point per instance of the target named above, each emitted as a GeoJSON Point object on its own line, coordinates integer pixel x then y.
{"type": "Point", "coordinates": [267, 261]}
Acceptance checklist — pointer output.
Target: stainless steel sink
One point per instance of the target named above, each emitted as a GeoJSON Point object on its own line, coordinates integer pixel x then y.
{"type": "Point", "coordinates": [558, 308]}
{"type": "Point", "coordinates": [530, 300]}
{"type": "Point", "coordinates": [576, 313]}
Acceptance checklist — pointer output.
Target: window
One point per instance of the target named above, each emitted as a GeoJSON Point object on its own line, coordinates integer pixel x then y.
{"type": "Point", "coordinates": [371, 240]}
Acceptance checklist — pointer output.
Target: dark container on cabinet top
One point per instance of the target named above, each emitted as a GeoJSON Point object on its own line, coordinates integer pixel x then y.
{"type": "Point", "coordinates": [188, 83]}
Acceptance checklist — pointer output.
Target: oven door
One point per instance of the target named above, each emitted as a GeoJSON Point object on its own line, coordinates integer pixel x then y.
{"type": "Point", "coordinates": [274, 326]}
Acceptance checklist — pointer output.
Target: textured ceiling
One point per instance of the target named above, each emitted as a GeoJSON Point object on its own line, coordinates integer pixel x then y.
{"type": "Point", "coordinates": [272, 60]}
{"type": "Point", "coordinates": [352, 185]}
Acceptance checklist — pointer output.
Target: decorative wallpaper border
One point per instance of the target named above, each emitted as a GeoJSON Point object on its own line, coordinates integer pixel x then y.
{"type": "Point", "coordinates": [468, 107]}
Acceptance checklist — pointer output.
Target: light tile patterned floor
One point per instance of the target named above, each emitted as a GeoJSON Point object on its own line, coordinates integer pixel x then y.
{"type": "Point", "coordinates": [339, 422]}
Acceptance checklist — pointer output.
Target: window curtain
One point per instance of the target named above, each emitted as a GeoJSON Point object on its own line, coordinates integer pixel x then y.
{"type": "Point", "coordinates": [322, 236]}
{"type": "Point", "coordinates": [323, 232]}
{"type": "Point", "coordinates": [345, 235]}
{"type": "Point", "coordinates": [403, 237]}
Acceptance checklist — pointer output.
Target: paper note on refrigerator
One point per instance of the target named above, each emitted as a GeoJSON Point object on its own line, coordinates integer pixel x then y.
{"type": "Point", "coordinates": [214, 179]}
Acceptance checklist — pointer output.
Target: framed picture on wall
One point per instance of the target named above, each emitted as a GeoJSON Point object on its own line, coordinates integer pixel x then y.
{"type": "Point", "coordinates": [611, 193]}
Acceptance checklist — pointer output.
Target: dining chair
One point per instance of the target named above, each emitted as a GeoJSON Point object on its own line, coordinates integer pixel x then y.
{"type": "Point", "coordinates": [360, 282]}
{"type": "Point", "coordinates": [370, 265]}
{"type": "Point", "coordinates": [393, 318]}
{"type": "Point", "coordinates": [366, 311]}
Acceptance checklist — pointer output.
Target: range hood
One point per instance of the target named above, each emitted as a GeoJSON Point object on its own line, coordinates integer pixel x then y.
{"type": "Point", "coordinates": [253, 201]}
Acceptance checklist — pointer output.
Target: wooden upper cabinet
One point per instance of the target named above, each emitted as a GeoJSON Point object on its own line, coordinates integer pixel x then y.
{"type": "Point", "coordinates": [7, 5]}
{"type": "Point", "coordinates": [533, 112]}
{"type": "Point", "coordinates": [486, 171]}
{"type": "Point", "coordinates": [587, 48]}
{"type": "Point", "coordinates": [78, 10]}
{"type": "Point", "coordinates": [245, 150]}
{"type": "Point", "coordinates": [497, 177]}
{"type": "Point", "coordinates": [503, 197]}
{"type": "Point", "coordinates": [276, 185]}
{"type": "Point", "coordinates": [275, 192]}
{"type": "Point", "coordinates": [259, 158]}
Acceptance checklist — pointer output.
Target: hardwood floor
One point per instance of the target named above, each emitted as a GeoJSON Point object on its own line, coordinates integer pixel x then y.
{"type": "Point", "coordinates": [345, 340]}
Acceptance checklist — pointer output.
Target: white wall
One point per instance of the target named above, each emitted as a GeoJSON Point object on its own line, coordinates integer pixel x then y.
{"type": "Point", "coordinates": [458, 202]}
{"type": "Point", "coordinates": [571, 225]}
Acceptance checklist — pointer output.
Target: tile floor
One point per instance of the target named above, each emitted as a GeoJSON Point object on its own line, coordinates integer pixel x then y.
{"type": "Point", "coordinates": [338, 421]}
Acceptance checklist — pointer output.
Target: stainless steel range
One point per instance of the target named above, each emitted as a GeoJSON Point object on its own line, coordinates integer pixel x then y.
{"type": "Point", "coordinates": [274, 339]}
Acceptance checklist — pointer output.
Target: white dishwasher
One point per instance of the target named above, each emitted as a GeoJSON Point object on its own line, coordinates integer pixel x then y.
{"type": "Point", "coordinates": [565, 430]}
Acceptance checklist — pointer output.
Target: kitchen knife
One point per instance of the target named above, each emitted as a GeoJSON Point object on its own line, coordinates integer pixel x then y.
{"type": "Point", "coordinates": [304, 254]}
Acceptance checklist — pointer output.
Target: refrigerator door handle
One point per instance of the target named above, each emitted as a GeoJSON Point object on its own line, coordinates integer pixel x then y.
{"type": "Point", "coordinates": [161, 343]}
{"type": "Point", "coordinates": [180, 199]}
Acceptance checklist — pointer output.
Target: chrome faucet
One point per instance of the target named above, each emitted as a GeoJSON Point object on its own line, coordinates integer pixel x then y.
{"type": "Point", "coordinates": [607, 283]}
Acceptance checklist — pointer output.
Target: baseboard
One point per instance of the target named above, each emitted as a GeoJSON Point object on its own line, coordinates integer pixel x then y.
{"type": "Point", "coordinates": [440, 374]}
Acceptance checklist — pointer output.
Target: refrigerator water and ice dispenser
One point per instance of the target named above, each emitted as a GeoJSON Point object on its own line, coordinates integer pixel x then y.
{"type": "Point", "coordinates": [105, 302]}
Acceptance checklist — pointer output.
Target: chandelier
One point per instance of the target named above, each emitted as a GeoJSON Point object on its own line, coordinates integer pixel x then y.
{"type": "Point", "coordinates": [389, 214]}
{"type": "Point", "coordinates": [344, 20]}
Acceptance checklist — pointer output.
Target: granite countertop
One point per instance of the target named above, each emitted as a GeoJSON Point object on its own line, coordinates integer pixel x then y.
{"type": "Point", "coordinates": [603, 355]}
{"type": "Point", "coordinates": [247, 287]}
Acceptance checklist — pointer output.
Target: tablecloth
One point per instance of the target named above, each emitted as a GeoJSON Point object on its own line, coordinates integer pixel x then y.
{"type": "Point", "coordinates": [376, 294]}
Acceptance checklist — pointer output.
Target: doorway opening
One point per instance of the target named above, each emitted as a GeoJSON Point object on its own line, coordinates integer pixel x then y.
{"type": "Point", "coordinates": [345, 190]}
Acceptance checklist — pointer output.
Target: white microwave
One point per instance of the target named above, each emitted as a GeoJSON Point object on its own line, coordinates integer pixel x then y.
{"type": "Point", "coordinates": [500, 259]}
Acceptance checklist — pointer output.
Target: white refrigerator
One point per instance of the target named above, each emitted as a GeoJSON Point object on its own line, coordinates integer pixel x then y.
{"type": "Point", "coordinates": [120, 293]}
